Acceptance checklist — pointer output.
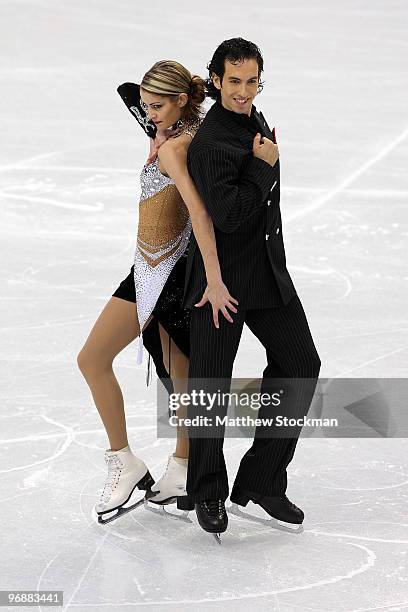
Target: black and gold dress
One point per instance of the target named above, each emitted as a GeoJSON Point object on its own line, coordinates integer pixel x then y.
{"type": "Point", "coordinates": [156, 280]}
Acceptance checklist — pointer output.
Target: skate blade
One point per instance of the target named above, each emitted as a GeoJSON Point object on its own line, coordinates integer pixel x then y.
{"type": "Point", "coordinates": [113, 515]}
{"type": "Point", "coordinates": [271, 522]}
{"type": "Point", "coordinates": [217, 537]}
{"type": "Point", "coordinates": [161, 510]}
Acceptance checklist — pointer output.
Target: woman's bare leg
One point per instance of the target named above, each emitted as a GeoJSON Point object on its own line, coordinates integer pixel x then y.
{"type": "Point", "coordinates": [116, 327]}
{"type": "Point", "coordinates": [179, 374]}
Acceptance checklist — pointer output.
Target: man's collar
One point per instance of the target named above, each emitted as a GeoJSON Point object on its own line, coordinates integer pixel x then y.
{"type": "Point", "coordinates": [241, 118]}
{"type": "Point", "coordinates": [253, 123]}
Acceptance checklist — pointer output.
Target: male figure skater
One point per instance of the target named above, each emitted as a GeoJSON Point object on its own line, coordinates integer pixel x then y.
{"type": "Point", "coordinates": [235, 166]}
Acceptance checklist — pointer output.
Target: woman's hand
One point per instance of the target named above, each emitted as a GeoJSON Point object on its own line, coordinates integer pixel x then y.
{"type": "Point", "coordinates": [218, 295]}
{"type": "Point", "coordinates": [161, 137]}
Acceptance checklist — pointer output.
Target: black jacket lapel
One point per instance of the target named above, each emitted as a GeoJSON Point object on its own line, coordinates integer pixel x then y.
{"type": "Point", "coordinates": [263, 126]}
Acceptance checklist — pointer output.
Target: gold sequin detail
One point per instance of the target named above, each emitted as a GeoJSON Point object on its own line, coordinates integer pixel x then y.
{"type": "Point", "coordinates": [162, 220]}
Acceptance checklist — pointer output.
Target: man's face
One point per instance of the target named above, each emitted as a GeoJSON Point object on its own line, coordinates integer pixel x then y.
{"type": "Point", "coordinates": [239, 85]}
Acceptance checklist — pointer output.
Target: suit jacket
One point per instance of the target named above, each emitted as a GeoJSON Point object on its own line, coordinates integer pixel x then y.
{"type": "Point", "coordinates": [242, 194]}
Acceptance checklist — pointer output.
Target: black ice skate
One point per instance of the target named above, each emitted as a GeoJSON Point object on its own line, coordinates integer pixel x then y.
{"type": "Point", "coordinates": [212, 516]}
{"type": "Point", "coordinates": [279, 507]}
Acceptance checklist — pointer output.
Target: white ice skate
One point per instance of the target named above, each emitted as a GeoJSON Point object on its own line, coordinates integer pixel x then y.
{"type": "Point", "coordinates": [126, 472]}
{"type": "Point", "coordinates": [170, 489]}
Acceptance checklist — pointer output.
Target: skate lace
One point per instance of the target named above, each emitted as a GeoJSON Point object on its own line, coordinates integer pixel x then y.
{"type": "Point", "coordinates": [165, 472]}
{"type": "Point", "coordinates": [112, 480]}
{"type": "Point", "coordinates": [167, 467]}
{"type": "Point", "coordinates": [214, 507]}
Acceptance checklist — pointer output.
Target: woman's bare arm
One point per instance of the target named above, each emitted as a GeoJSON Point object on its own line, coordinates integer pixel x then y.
{"type": "Point", "coordinates": [173, 161]}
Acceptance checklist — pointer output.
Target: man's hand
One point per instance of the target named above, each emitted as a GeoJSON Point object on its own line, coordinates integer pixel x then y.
{"type": "Point", "coordinates": [268, 150]}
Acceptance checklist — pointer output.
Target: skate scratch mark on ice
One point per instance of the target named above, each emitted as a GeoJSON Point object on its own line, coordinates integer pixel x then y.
{"type": "Point", "coordinates": [43, 572]}
{"type": "Point", "coordinates": [91, 560]}
{"type": "Point", "coordinates": [27, 163]}
{"type": "Point", "coordinates": [352, 177]}
{"type": "Point", "coordinates": [98, 207]}
{"type": "Point", "coordinates": [110, 531]}
{"type": "Point", "coordinates": [50, 324]}
{"type": "Point", "coordinates": [36, 490]}
{"type": "Point", "coordinates": [357, 537]}
{"type": "Point", "coordinates": [379, 609]}
{"type": "Point", "coordinates": [27, 277]}
{"type": "Point", "coordinates": [117, 534]}
{"type": "Point", "coordinates": [387, 488]}
{"type": "Point", "coordinates": [399, 350]}
{"type": "Point", "coordinates": [369, 563]}
{"type": "Point", "coordinates": [327, 272]}
{"type": "Point", "coordinates": [398, 330]}
{"type": "Point", "coordinates": [391, 607]}
{"type": "Point", "coordinates": [26, 492]}
{"type": "Point", "coordinates": [50, 436]}
{"type": "Point", "coordinates": [22, 163]}
{"type": "Point", "coordinates": [139, 588]}
{"type": "Point", "coordinates": [84, 432]}
{"type": "Point", "coordinates": [56, 235]}
{"type": "Point", "coordinates": [68, 441]}
{"type": "Point", "coordinates": [363, 193]}
{"type": "Point", "coordinates": [348, 286]}
{"type": "Point", "coordinates": [78, 168]}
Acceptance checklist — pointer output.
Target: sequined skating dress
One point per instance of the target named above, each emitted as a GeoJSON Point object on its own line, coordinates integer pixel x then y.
{"type": "Point", "coordinates": [160, 258]}
{"type": "Point", "coordinates": [163, 234]}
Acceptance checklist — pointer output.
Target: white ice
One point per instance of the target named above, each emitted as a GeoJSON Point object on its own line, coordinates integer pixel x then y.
{"type": "Point", "coordinates": [336, 90]}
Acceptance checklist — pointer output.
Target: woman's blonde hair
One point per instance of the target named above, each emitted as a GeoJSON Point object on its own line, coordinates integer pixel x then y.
{"type": "Point", "coordinates": [169, 78]}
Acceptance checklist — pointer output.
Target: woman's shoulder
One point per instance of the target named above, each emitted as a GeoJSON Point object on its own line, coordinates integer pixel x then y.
{"type": "Point", "coordinates": [180, 142]}
{"type": "Point", "coordinates": [189, 128]}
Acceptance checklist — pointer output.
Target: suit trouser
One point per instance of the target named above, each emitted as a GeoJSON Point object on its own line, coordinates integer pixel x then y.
{"type": "Point", "coordinates": [285, 334]}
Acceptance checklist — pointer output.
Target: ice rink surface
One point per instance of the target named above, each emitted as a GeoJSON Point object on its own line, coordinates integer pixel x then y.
{"type": "Point", "coordinates": [336, 90]}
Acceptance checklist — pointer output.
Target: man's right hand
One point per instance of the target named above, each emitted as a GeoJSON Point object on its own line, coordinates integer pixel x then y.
{"type": "Point", "coordinates": [268, 150]}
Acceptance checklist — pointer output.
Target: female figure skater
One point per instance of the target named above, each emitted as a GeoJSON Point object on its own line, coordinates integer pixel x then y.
{"type": "Point", "coordinates": [148, 303]}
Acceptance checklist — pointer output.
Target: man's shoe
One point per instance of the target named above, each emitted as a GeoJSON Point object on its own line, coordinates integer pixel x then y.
{"type": "Point", "coordinates": [280, 508]}
{"type": "Point", "coordinates": [211, 515]}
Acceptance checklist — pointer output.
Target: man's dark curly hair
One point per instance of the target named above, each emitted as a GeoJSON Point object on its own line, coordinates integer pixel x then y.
{"type": "Point", "coordinates": [232, 50]}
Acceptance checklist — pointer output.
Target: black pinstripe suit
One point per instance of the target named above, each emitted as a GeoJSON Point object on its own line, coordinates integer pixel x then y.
{"type": "Point", "coordinates": [242, 195]}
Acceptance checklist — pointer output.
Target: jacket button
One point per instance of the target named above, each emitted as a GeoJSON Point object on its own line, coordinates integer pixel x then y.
{"type": "Point", "coordinates": [267, 236]}
{"type": "Point", "coordinates": [277, 231]}
{"type": "Point", "coordinates": [269, 202]}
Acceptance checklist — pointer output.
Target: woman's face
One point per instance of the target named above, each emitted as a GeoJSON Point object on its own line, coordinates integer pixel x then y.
{"type": "Point", "coordinates": [162, 110]}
